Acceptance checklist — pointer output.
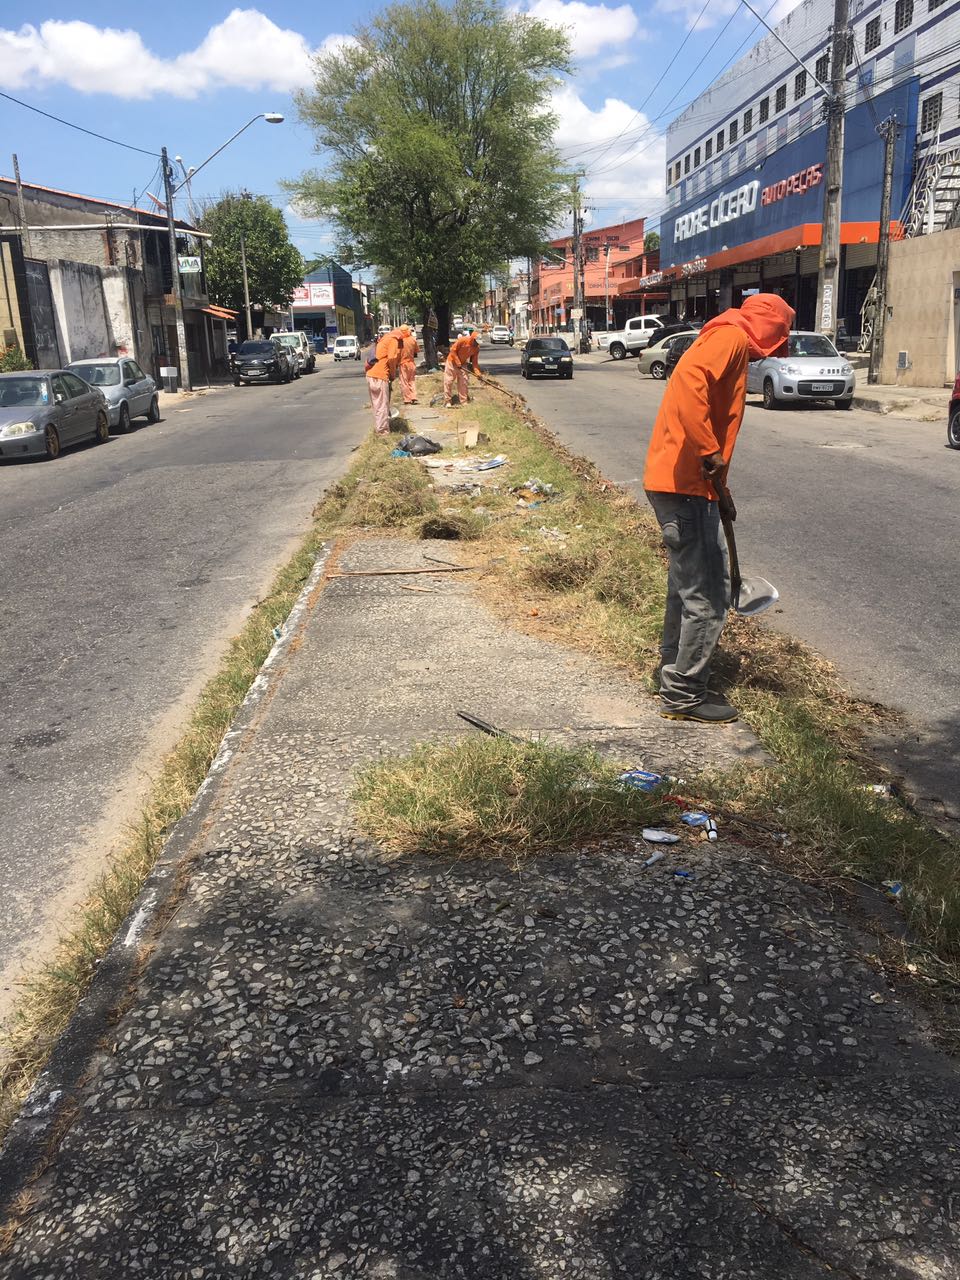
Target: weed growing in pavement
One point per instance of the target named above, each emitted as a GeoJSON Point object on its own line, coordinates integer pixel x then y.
{"type": "Point", "coordinates": [51, 995]}
{"type": "Point", "coordinates": [586, 567]}
{"type": "Point", "coordinates": [494, 798]}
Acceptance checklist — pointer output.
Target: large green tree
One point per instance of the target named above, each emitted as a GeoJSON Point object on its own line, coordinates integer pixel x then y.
{"type": "Point", "coordinates": [274, 265]}
{"type": "Point", "coordinates": [438, 137]}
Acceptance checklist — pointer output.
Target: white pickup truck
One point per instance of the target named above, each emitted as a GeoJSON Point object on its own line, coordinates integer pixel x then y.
{"type": "Point", "coordinates": [631, 340]}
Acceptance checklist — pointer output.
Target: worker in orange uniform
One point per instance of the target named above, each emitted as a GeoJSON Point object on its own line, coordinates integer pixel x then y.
{"type": "Point", "coordinates": [690, 451]}
{"type": "Point", "coordinates": [381, 371]}
{"type": "Point", "coordinates": [409, 350]}
{"type": "Point", "coordinates": [464, 354]}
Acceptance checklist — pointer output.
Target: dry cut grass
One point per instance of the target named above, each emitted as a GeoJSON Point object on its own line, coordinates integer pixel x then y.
{"type": "Point", "coordinates": [492, 797]}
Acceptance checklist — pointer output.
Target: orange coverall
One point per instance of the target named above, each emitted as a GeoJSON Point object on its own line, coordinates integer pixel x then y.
{"type": "Point", "coordinates": [465, 351]}
{"type": "Point", "coordinates": [410, 349]}
{"type": "Point", "coordinates": [379, 377]}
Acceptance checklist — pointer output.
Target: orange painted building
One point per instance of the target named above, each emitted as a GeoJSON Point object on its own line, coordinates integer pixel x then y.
{"type": "Point", "coordinates": [614, 263]}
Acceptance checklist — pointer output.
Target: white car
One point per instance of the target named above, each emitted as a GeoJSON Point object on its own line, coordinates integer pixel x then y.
{"type": "Point", "coordinates": [500, 333]}
{"type": "Point", "coordinates": [346, 347]}
{"type": "Point", "coordinates": [298, 345]}
{"type": "Point", "coordinates": [653, 358]}
{"type": "Point", "coordinates": [813, 370]}
{"type": "Point", "coordinates": [633, 337]}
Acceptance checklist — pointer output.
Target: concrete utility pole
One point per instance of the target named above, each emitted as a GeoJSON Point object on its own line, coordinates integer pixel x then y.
{"type": "Point", "coordinates": [828, 282]}
{"type": "Point", "coordinates": [24, 229]}
{"type": "Point", "coordinates": [578, 268]}
{"type": "Point", "coordinates": [175, 270]}
{"type": "Point", "coordinates": [889, 131]}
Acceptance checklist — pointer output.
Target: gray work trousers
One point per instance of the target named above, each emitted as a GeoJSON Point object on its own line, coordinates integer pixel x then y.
{"type": "Point", "coordinates": [698, 594]}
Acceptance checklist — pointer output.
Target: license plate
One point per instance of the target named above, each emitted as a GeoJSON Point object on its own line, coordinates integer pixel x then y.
{"type": "Point", "coordinates": [821, 386]}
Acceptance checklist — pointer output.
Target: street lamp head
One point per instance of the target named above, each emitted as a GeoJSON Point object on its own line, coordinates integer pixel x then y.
{"type": "Point", "coordinates": [273, 117]}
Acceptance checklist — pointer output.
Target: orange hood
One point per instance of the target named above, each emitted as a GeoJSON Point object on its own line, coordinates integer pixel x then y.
{"type": "Point", "coordinates": [764, 317]}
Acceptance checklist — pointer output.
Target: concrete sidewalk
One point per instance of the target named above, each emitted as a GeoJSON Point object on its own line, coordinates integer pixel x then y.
{"type": "Point", "coordinates": [922, 404]}
{"type": "Point", "coordinates": [335, 1066]}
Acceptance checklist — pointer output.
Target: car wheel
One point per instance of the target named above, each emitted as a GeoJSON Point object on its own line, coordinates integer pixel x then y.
{"type": "Point", "coordinates": [153, 413]}
{"type": "Point", "coordinates": [843, 404]}
{"type": "Point", "coordinates": [51, 441]}
{"type": "Point", "coordinates": [953, 430]}
{"type": "Point", "coordinates": [524, 374]}
{"type": "Point", "coordinates": [770, 400]}
{"type": "Point", "coordinates": [102, 434]}
{"type": "Point", "coordinates": [124, 424]}
{"type": "Point", "coordinates": [617, 351]}
{"type": "Point", "coordinates": [658, 370]}
{"type": "Point", "coordinates": [237, 382]}
{"type": "Point", "coordinates": [569, 376]}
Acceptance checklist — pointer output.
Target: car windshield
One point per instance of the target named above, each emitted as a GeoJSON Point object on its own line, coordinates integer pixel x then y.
{"type": "Point", "coordinates": [31, 392]}
{"type": "Point", "coordinates": [345, 342]}
{"type": "Point", "coordinates": [289, 339]}
{"type": "Point", "coordinates": [547, 344]}
{"type": "Point", "coordinates": [256, 349]}
{"type": "Point", "coordinates": [98, 375]}
{"type": "Point", "coordinates": [812, 344]}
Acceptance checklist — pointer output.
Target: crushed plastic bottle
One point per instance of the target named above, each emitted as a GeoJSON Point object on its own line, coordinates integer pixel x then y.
{"type": "Point", "coordinates": [657, 836]}
{"type": "Point", "coordinates": [684, 875]}
{"type": "Point", "coordinates": [654, 858]}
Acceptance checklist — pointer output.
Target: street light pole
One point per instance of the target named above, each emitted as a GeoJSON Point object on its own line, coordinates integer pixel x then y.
{"type": "Point", "coordinates": [888, 130]}
{"type": "Point", "coordinates": [827, 285]}
{"type": "Point", "coordinates": [175, 271]}
{"type": "Point", "coordinates": [246, 285]}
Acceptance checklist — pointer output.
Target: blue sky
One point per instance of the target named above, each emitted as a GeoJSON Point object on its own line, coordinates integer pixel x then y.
{"type": "Point", "coordinates": [187, 75]}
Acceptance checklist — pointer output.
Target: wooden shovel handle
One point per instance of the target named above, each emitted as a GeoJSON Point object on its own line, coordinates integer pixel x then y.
{"type": "Point", "coordinates": [722, 492]}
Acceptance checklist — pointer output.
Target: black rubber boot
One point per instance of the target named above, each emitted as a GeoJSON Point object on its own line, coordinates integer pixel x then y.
{"type": "Point", "coordinates": [713, 712]}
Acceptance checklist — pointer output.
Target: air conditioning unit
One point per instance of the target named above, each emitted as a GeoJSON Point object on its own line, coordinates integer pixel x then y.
{"type": "Point", "coordinates": [903, 360]}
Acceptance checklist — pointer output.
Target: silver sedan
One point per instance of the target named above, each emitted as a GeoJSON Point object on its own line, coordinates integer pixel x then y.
{"type": "Point", "coordinates": [128, 391]}
{"type": "Point", "coordinates": [813, 370]}
{"type": "Point", "coordinates": [42, 413]}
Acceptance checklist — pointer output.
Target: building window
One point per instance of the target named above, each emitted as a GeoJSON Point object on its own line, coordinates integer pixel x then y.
{"type": "Point", "coordinates": [719, 141]}
{"type": "Point", "coordinates": [902, 15]}
{"type": "Point", "coordinates": [764, 110]}
{"type": "Point", "coordinates": [593, 252]}
{"type": "Point", "coordinates": [871, 34]}
{"type": "Point", "coordinates": [747, 120]}
{"type": "Point", "coordinates": [799, 86]}
{"type": "Point", "coordinates": [686, 164]}
{"type": "Point", "coordinates": [935, 4]}
{"type": "Point", "coordinates": [822, 69]}
{"type": "Point", "coordinates": [852, 46]}
{"type": "Point", "coordinates": [930, 113]}
{"type": "Point", "coordinates": [696, 157]}
{"type": "Point", "coordinates": [781, 99]}
{"type": "Point", "coordinates": [733, 132]}
{"type": "Point", "coordinates": [708, 148]}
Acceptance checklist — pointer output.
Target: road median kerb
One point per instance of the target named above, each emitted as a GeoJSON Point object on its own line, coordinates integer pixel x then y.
{"type": "Point", "coordinates": [53, 1096]}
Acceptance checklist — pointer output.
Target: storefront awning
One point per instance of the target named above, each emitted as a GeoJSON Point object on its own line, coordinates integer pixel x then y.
{"type": "Point", "coordinates": [804, 236]}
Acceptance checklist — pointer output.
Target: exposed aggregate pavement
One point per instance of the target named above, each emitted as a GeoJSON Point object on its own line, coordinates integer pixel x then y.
{"type": "Point", "coordinates": [336, 1065]}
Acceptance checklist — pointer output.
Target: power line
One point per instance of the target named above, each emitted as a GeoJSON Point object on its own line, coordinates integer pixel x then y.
{"type": "Point", "coordinates": [79, 127]}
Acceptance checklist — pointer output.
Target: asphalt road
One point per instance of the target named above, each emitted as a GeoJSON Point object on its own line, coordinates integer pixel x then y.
{"type": "Point", "coordinates": [854, 516]}
{"type": "Point", "coordinates": [124, 569]}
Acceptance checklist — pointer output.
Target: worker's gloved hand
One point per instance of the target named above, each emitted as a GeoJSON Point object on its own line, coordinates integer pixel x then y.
{"type": "Point", "coordinates": [713, 465]}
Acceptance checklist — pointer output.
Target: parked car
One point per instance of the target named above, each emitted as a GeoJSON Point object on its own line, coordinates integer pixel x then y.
{"type": "Point", "coordinates": [346, 347]}
{"type": "Point", "coordinates": [261, 360]}
{"type": "Point", "coordinates": [812, 370]}
{"type": "Point", "coordinates": [500, 333]}
{"type": "Point", "coordinates": [633, 337]}
{"type": "Point", "coordinates": [681, 342]}
{"type": "Point", "coordinates": [43, 413]}
{"type": "Point", "coordinates": [653, 358]}
{"type": "Point", "coordinates": [129, 392]}
{"type": "Point", "coordinates": [546, 355]}
{"type": "Point", "coordinates": [953, 417]}
{"type": "Point", "coordinates": [297, 343]}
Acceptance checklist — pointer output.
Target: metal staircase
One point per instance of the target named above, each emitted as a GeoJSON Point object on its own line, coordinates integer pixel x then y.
{"type": "Point", "coordinates": [933, 204]}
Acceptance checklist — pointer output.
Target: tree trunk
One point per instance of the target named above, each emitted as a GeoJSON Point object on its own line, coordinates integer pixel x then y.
{"type": "Point", "coordinates": [443, 321]}
{"type": "Point", "coordinates": [429, 340]}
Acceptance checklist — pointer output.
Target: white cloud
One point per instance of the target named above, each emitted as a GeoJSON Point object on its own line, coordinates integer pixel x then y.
{"type": "Point", "coordinates": [591, 27]}
{"type": "Point", "coordinates": [720, 9]}
{"type": "Point", "coordinates": [247, 49]}
{"type": "Point", "coordinates": [633, 184]}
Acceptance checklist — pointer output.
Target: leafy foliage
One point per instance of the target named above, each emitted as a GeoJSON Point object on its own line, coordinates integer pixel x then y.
{"type": "Point", "coordinates": [274, 265]}
{"type": "Point", "coordinates": [651, 242]}
{"type": "Point", "coordinates": [439, 138]}
{"type": "Point", "coordinates": [12, 360]}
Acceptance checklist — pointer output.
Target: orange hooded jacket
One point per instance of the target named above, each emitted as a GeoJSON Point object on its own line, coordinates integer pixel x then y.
{"type": "Point", "coordinates": [702, 406]}
{"type": "Point", "coordinates": [466, 350]}
{"type": "Point", "coordinates": [388, 357]}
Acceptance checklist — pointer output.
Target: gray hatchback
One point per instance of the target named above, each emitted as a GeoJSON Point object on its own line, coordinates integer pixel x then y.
{"type": "Point", "coordinates": [42, 413]}
{"type": "Point", "coordinates": [129, 392]}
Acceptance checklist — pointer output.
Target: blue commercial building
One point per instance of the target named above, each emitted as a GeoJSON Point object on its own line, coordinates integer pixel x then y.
{"type": "Point", "coordinates": [745, 160]}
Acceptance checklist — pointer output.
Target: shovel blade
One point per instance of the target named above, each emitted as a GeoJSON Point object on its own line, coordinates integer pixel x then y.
{"type": "Point", "coordinates": [755, 596]}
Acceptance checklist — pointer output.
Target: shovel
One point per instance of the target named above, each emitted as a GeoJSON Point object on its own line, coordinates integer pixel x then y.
{"type": "Point", "coordinates": [748, 596]}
